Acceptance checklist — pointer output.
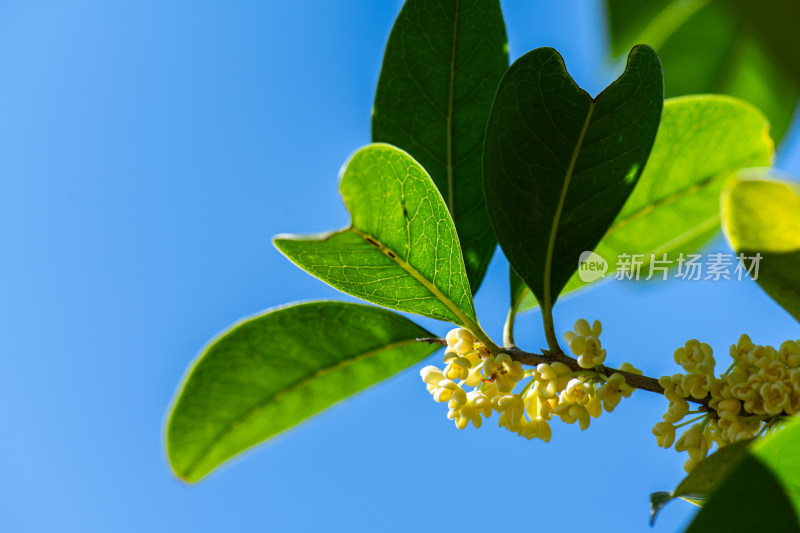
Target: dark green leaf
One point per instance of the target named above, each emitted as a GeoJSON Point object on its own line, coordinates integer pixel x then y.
{"type": "Point", "coordinates": [674, 208]}
{"type": "Point", "coordinates": [719, 47]}
{"type": "Point", "coordinates": [517, 288]}
{"type": "Point", "coordinates": [779, 452]}
{"type": "Point", "coordinates": [761, 493]}
{"type": "Point", "coordinates": [707, 475]}
{"type": "Point", "coordinates": [401, 249]}
{"type": "Point", "coordinates": [272, 371]}
{"type": "Point", "coordinates": [751, 499]}
{"type": "Point", "coordinates": [763, 217]}
{"type": "Point", "coordinates": [775, 26]}
{"type": "Point", "coordinates": [442, 65]}
{"type": "Point", "coordinates": [559, 166]}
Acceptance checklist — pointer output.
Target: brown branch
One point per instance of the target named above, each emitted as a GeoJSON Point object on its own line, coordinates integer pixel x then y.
{"type": "Point", "coordinates": [432, 340]}
{"type": "Point", "coordinates": [634, 380]}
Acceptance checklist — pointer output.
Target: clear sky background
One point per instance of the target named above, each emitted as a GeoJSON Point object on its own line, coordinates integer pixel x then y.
{"type": "Point", "coordinates": [148, 152]}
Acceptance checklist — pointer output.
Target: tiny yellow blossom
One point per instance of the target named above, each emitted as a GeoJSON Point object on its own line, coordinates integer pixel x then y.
{"type": "Point", "coordinates": [584, 342]}
{"type": "Point", "coordinates": [665, 434]}
{"type": "Point", "coordinates": [505, 371]}
{"type": "Point", "coordinates": [461, 341]}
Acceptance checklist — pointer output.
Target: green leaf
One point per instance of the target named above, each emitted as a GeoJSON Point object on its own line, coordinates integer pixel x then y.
{"type": "Point", "coordinates": [751, 499]}
{"type": "Point", "coordinates": [718, 47]}
{"type": "Point", "coordinates": [762, 491]}
{"type": "Point", "coordinates": [517, 288]}
{"type": "Point", "coordinates": [442, 65]}
{"type": "Point", "coordinates": [272, 371]}
{"type": "Point", "coordinates": [763, 217]}
{"type": "Point", "coordinates": [778, 452]}
{"type": "Point", "coordinates": [703, 480]}
{"type": "Point", "coordinates": [674, 208]}
{"type": "Point", "coordinates": [774, 25]}
{"type": "Point", "coordinates": [401, 249]}
{"type": "Point", "coordinates": [559, 165]}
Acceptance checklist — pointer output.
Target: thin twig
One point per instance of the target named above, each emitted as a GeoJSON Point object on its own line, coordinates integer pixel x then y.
{"type": "Point", "coordinates": [432, 340]}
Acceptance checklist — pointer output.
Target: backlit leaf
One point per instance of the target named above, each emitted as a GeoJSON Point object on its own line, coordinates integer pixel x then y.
{"type": "Point", "coordinates": [763, 217]}
{"type": "Point", "coordinates": [400, 250]}
{"type": "Point", "coordinates": [272, 371]}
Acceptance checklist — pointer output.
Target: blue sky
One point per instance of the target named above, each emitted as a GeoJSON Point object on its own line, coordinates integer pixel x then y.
{"type": "Point", "coordinates": [148, 152]}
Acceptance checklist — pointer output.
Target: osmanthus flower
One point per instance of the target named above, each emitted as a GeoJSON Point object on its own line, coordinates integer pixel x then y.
{"type": "Point", "coordinates": [729, 408]}
{"type": "Point", "coordinates": [476, 404]}
{"type": "Point", "coordinates": [535, 428]}
{"type": "Point", "coordinates": [760, 357]}
{"type": "Point", "coordinates": [474, 377]}
{"type": "Point", "coordinates": [461, 341]}
{"type": "Point", "coordinates": [458, 366]}
{"type": "Point", "coordinates": [775, 397]}
{"type": "Point", "coordinates": [741, 348]}
{"type": "Point", "coordinates": [511, 408]}
{"type": "Point", "coordinates": [774, 372]}
{"type": "Point", "coordinates": [442, 389]}
{"type": "Point", "coordinates": [538, 407]}
{"type": "Point", "coordinates": [552, 378]}
{"type": "Point", "coordinates": [677, 410]}
{"type": "Point", "coordinates": [790, 352]}
{"type": "Point", "coordinates": [744, 387]}
{"type": "Point", "coordinates": [695, 357]}
{"type": "Point", "coordinates": [673, 387]}
{"type": "Point", "coordinates": [610, 392]}
{"type": "Point", "coordinates": [792, 407]}
{"type": "Point", "coordinates": [578, 391]}
{"type": "Point", "coordinates": [695, 441]}
{"type": "Point", "coordinates": [571, 413]}
{"type": "Point", "coordinates": [627, 367]}
{"type": "Point", "coordinates": [431, 376]}
{"type": "Point", "coordinates": [504, 371]}
{"type": "Point", "coordinates": [697, 385]}
{"type": "Point", "coordinates": [665, 434]}
{"type": "Point", "coordinates": [584, 342]}
{"type": "Point", "coordinates": [594, 406]}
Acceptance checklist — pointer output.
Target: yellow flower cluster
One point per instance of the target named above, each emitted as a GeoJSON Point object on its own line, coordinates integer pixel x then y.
{"type": "Point", "coordinates": [553, 388]}
{"type": "Point", "coordinates": [757, 393]}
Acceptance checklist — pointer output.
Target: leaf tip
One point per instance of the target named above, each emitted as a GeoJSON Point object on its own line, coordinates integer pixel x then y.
{"type": "Point", "coordinates": [657, 502]}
